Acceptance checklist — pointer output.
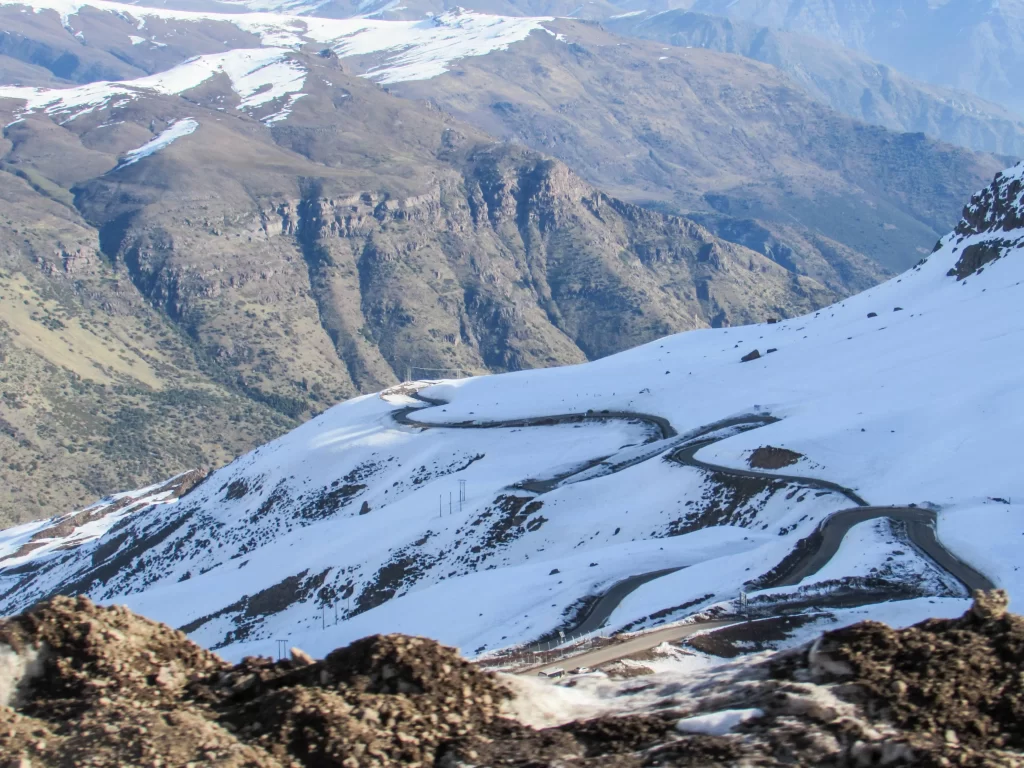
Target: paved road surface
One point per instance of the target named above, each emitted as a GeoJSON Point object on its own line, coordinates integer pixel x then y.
{"type": "Point", "coordinates": [820, 547]}
{"type": "Point", "coordinates": [606, 604]}
{"type": "Point", "coordinates": [686, 456]}
{"type": "Point", "coordinates": [637, 644]}
{"type": "Point", "coordinates": [920, 524]}
{"type": "Point", "coordinates": [661, 424]}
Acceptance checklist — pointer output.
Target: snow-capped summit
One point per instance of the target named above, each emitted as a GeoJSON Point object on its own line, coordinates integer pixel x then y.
{"type": "Point", "coordinates": [865, 453]}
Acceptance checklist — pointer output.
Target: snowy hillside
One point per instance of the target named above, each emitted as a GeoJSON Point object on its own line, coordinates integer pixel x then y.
{"type": "Point", "coordinates": [400, 50]}
{"type": "Point", "coordinates": [258, 76]}
{"type": "Point", "coordinates": [885, 427]}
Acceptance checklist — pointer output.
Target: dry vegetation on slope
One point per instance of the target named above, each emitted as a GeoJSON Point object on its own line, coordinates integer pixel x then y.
{"type": "Point", "coordinates": [249, 275]}
{"type": "Point", "coordinates": [256, 272]}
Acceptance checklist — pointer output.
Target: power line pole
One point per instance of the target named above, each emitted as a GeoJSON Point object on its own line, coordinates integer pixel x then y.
{"type": "Point", "coordinates": [449, 503]}
{"type": "Point", "coordinates": [462, 493]}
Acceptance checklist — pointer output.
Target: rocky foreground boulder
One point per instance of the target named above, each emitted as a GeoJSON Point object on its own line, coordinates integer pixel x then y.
{"type": "Point", "coordinates": [84, 685]}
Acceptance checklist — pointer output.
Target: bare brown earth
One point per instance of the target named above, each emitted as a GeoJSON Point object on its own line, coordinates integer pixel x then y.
{"type": "Point", "coordinates": [87, 685]}
{"type": "Point", "coordinates": [770, 457]}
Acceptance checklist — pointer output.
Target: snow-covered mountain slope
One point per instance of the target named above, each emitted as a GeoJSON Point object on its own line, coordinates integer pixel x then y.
{"type": "Point", "coordinates": [397, 50]}
{"type": "Point", "coordinates": [905, 396]}
{"type": "Point", "coordinates": [258, 76]}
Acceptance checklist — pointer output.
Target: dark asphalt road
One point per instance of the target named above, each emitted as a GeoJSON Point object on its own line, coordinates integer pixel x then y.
{"type": "Point", "coordinates": [825, 541]}
{"type": "Point", "coordinates": [920, 524]}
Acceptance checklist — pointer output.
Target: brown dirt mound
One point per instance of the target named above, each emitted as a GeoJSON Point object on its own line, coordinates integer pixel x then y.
{"type": "Point", "coordinates": [109, 688]}
{"type": "Point", "coordinates": [961, 679]}
{"type": "Point", "coordinates": [85, 685]}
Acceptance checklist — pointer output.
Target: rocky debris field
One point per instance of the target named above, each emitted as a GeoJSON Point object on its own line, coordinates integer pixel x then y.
{"type": "Point", "coordinates": [83, 685]}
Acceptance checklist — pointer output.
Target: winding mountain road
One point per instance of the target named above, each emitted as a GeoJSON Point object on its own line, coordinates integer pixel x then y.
{"type": "Point", "coordinates": [825, 541]}
{"type": "Point", "coordinates": [809, 556]}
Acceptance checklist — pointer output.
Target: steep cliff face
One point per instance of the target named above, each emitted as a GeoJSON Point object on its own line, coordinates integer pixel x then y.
{"type": "Point", "coordinates": [508, 261]}
{"type": "Point", "coordinates": [991, 226]}
{"type": "Point", "coordinates": [96, 385]}
{"type": "Point", "coordinates": [267, 233]}
{"type": "Point", "coordinates": [723, 138]}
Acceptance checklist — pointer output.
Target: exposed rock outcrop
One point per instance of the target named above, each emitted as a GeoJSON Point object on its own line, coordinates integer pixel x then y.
{"type": "Point", "coordinates": [82, 684]}
{"type": "Point", "coordinates": [997, 209]}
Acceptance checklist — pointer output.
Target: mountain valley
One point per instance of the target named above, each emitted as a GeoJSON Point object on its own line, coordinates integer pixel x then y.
{"type": "Point", "coordinates": [979, 41]}
{"type": "Point", "coordinates": [489, 512]}
{"type": "Point", "coordinates": [533, 384]}
{"type": "Point", "coordinates": [245, 189]}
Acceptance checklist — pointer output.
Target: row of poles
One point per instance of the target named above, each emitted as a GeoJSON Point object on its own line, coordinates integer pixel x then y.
{"type": "Point", "coordinates": [462, 499]}
{"type": "Point", "coordinates": [282, 644]}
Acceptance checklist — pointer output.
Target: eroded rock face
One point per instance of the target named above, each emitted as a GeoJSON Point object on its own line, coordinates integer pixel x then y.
{"type": "Point", "coordinates": [88, 685]}
{"type": "Point", "coordinates": [997, 210]}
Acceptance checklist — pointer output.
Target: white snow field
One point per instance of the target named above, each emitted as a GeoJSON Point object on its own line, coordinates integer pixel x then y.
{"type": "Point", "coordinates": [408, 50]}
{"type": "Point", "coordinates": [168, 136]}
{"type": "Point", "coordinates": [909, 393]}
{"type": "Point", "coordinates": [257, 75]}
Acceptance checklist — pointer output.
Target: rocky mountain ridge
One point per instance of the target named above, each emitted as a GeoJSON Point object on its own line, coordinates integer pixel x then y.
{"type": "Point", "coordinates": [973, 46]}
{"type": "Point", "coordinates": [263, 191]}
{"type": "Point", "coordinates": [845, 79]}
{"type": "Point", "coordinates": [447, 251]}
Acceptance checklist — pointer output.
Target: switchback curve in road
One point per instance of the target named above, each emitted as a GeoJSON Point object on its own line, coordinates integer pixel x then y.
{"type": "Point", "coordinates": [607, 602]}
{"type": "Point", "coordinates": [819, 548]}
{"type": "Point", "coordinates": [825, 541]}
{"type": "Point", "coordinates": [661, 424]}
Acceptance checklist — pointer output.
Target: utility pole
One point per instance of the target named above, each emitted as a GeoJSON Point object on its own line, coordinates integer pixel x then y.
{"type": "Point", "coordinates": [281, 648]}
{"type": "Point", "coordinates": [462, 493]}
{"type": "Point", "coordinates": [449, 503]}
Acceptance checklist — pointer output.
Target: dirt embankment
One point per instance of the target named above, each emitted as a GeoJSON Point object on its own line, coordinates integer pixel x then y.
{"type": "Point", "coordinates": [770, 457]}
{"type": "Point", "coordinates": [85, 685]}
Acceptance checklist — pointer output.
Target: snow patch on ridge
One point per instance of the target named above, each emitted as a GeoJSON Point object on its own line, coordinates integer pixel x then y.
{"type": "Point", "coordinates": [170, 134]}
{"type": "Point", "coordinates": [258, 76]}
{"type": "Point", "coordinates": [415, 50]}
{"type": "Point", "coordinates": [425, 49]}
